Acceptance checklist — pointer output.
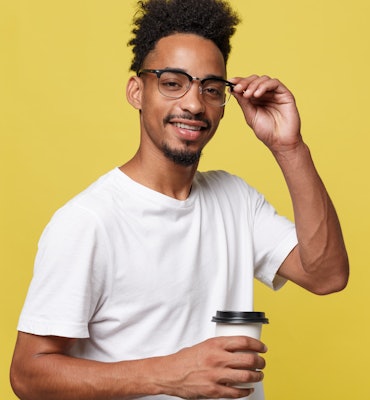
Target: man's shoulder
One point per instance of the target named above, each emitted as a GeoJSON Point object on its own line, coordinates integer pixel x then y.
{"type": "Point", "coordinates": [91, 201]}
{"type": "Point", "coordinates": [225, 185]}
{"type": "Point", "coordinates": [98, 192]}
{"type": "Point", "coordinates": [219, 178]}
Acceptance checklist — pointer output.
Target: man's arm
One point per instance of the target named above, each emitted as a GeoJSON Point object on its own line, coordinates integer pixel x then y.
{"type": "Point", "coordinates": [42, 370]}
{"type": "Point", "coordinates": [319, 262]}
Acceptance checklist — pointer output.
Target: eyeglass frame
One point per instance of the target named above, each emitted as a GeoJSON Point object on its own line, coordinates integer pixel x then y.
{"type": "Point", "coordinates": [159, 72]}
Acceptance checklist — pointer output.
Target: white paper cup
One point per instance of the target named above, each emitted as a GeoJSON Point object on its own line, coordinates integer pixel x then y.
{"type": "Point", "coordinates": [240, 323]}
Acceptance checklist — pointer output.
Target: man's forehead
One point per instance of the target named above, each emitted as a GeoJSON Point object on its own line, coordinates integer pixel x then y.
{"type": "Point", "coordinates": [187, 52]}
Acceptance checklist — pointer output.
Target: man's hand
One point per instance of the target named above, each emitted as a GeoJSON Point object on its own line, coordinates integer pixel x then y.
{"type": "Point", "coordinates": [270, 110]}
{"type": "Point", "coordinates": [209, 369]}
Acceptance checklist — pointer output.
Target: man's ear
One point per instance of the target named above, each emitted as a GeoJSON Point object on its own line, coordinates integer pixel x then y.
{"type": "Point", "coordinates": [134, 91]}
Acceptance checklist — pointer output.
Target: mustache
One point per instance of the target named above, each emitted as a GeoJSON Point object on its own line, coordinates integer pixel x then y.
{"type": "Point", "coordinates": [189, 117]}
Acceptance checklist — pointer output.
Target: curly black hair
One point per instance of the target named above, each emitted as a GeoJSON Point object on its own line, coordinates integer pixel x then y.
{"type": "Point", "coordinates": [155, 19]}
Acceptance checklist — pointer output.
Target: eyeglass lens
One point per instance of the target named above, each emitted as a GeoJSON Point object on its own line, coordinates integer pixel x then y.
{"type": "Point", "coordinates": [176, 84]}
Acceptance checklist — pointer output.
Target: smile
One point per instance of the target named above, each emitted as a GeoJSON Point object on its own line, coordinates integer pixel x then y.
{"type": "Point", "coordinates": [188, 127]}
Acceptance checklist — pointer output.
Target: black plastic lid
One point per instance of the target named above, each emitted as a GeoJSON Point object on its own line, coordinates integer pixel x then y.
{"type": "Point", "coordinates": [240, 317]}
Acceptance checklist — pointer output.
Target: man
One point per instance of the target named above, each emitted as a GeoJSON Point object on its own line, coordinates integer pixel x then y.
{"type": "Point", "coordinates": [129, 273]}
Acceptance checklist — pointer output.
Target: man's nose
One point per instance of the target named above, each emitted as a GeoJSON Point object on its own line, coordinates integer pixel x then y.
{"type": "Point", "coordinates": [192, 101]}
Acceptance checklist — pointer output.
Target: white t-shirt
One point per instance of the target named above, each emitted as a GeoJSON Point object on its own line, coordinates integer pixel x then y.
{"type": "Point", "coordinates": [134, 273]}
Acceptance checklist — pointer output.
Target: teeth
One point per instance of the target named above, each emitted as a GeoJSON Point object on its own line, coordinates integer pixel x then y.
{"type": "Point", "coordinates": [188, 127]}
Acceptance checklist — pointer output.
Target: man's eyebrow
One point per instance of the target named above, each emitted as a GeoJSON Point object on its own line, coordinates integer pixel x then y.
{"type": "Point", "coordinates": [175, 69]}
{"type": "Point", "coordinates": [208, 76]}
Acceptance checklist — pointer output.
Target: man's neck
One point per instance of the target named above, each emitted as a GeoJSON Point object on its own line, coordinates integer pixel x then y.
{"type": "Point", "coordinates": [162, 175]}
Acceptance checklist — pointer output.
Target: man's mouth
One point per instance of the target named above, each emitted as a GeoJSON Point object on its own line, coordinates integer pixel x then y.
{"type": "Point", "coordinates": [187, 127]}
{"type": "Point", "coordinates": [187, 122]}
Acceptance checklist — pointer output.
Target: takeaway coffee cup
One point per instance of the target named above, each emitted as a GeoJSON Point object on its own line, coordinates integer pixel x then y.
{"type": "Point", "coordinates": [240, 323]}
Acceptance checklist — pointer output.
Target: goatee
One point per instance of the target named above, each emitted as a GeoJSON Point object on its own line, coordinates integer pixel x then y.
{"type": "Point", "coordinates": [185, 158]}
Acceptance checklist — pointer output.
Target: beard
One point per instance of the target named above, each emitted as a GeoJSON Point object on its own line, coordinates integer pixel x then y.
{"type": "Point", "coordinates": [185, 158]}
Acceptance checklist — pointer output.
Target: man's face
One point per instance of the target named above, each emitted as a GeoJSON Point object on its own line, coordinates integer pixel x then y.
{"type": "Point", "coordinates": [180, 128]}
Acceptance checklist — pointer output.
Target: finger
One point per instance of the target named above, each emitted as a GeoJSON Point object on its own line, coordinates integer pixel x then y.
{"type": "Point", "coordinates": [257, 86]}
{"type": "Point", "coordinates": [262, 87]}
{"type": "Point", "coordinates": [247, 376]}
{"type": "Point", "coordinates": [242, 343]}
{"type": "Point", "coordinates": [241, 84]}
{"type": "Point", "coordinates": [250, 82]}
{"type": "Point", "coordinates": [246, 360]}
{"type": "Point", "coordinates": [229, 392]}
{"type": "Point", "coordinates": [235, 378]}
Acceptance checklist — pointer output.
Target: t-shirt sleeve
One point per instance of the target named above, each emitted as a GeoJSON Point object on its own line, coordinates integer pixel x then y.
{"type": "Point", "coordinates": [274, 237]}
{"type": "Point", "coordinates": [68, 281]}
{"type": "Point", "coordinates": [269, 237]}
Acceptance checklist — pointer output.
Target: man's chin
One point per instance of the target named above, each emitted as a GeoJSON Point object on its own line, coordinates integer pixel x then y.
{"type": "Point", "coordinates": [185, 158]}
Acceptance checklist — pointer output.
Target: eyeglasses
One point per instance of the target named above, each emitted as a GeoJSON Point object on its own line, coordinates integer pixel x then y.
{"type": "Point", "coordinates": [175, 83]}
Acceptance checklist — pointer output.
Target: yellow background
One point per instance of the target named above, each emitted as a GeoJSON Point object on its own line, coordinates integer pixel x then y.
{"type": "Point", "coordinates": [64, 121]}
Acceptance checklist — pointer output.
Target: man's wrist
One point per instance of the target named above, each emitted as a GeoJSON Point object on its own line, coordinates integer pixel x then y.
{"type": "Point", "coordinates": [292, 154]}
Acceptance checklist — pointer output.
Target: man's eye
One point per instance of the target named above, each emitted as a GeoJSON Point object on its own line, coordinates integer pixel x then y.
{"type": "Point", "coordinates": [171, 84]}
{"type": "Point", "coordinates": [213, 91]}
